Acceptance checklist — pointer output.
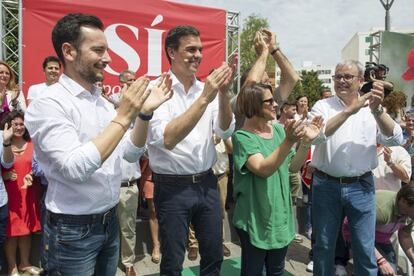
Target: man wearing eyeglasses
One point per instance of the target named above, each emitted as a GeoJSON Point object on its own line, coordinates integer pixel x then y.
{"type": "Point", "coordinates": [344, 156]}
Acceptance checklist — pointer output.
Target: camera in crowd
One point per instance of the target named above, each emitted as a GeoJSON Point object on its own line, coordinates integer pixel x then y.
{"type": "Point", "coordinates": [376, 71]}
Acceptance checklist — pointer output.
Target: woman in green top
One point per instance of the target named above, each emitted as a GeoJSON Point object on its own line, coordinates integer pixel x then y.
{"type": "Point", "coordinates": [263, 157]}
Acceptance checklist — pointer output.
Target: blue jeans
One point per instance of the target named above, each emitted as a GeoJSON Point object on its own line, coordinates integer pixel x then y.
{"type": "Point", "coordinates": [81, 249]}
{"type": "Point", "coordinates": [178, 204]}
{"type": "Point", "coordinates": [3, 224]}
{"type": "Point", "coordinates": [387, 251]}
{"type": "Point", "coordinates": [331, 200]}
{"type": "Point", "coordinates": [258, 262]}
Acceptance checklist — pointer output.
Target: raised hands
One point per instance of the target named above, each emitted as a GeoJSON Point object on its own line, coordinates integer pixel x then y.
{"type": "Point", "coordinates": [215, 80]}
{"type": "Point", "coordinates": [387, 154]}
{"type": "Point", "coordinates": [377, 95]}
{"type": "Point", "coordinates": [313, 129]}
{"type": "Point", "coordinates": [301, 130]}
{"type": "Point", "coordinates": [15, 94]}
{"type": "Point", "coordinates": [234, 59]}
{"type": "Point", "coordinates": [260, 45]}
{"type": "Point", "coordinates": [295, 130]}
{"type": "Point", "coordinates": [133, 98]}
{"type": "Point", "coordinates": [362, 101]}
{"type": "Point", "coordinates": [160, 93]}
{"type": "Point", "coordinates": [7, 134]}
{"type": "Point", "coordinates": [2, 95]}
{"type": "Point", "coordinates": [270, 39]}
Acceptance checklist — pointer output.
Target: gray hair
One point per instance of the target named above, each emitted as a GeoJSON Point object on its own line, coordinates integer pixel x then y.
{"type": "Point", "coordinates": [351, 62]}
{"type": "Point", "coordinates": [123, 73]}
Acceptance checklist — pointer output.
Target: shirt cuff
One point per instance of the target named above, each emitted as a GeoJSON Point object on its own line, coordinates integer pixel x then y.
{"type": "Point", "coordinates": [132, 153]}
{"type": "Point", "coordinates": [224, 134]}
{"type": "Point", "coordinates": [396, 139]}
{"type": "Point", "coordinates": [6, 165]}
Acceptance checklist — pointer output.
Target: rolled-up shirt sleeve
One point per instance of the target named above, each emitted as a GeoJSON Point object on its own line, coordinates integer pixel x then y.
{"type": "Point", "coordinates": [131, 153]}
{"type": "Point", "coordinates": [55, 136]}
{"type": "Point", "coordinates": [396, 139]}
{"type": "Point", "coordinates": [222, 133]}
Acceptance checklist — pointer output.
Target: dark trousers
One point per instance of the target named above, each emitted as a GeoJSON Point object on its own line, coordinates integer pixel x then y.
{"type": "Point", "coordinates": [3, 223]}
{"type": "Point", "coordinates": [257, 262]}
{"type": "Point", "coordinates": [178, 204]}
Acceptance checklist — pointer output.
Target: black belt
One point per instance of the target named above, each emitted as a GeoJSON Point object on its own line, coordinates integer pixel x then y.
{"type": "Point", "coordinates": [182, 178]}
{"type": "Point", "coordinates": [128, 183]}
{"type": "Point", "coordinates": [82, 219]}
{"type": "Point", "coordinates": [344, 180]}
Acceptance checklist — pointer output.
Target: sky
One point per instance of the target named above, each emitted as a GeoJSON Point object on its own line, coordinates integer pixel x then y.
{"type": "Point", "coordinates": [317, 30]}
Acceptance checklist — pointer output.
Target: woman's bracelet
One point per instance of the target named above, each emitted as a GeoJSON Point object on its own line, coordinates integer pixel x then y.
{"type": "Point", "coordinates": [118, 123]}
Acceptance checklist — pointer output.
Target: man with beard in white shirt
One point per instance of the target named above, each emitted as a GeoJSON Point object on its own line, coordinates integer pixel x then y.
{"type": "Point", "coordinates": [79, 140]}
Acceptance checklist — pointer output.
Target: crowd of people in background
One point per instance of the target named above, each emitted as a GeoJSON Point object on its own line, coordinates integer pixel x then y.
{"type": "Point", "coordinates": [75, 162]}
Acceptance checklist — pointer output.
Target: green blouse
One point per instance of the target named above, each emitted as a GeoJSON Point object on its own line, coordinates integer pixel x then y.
{"type": "Point", "coordinates": [263, 205]}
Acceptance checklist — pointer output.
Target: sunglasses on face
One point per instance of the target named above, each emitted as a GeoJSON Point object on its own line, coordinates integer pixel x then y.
{"type": "Point", "coordinates": [269, 101]}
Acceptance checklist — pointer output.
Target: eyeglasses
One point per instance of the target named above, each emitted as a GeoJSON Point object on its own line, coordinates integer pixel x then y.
{"type": "Point", "coordinates": [269, 101]}
{"type": "Point", "coordinates": [346, 77]}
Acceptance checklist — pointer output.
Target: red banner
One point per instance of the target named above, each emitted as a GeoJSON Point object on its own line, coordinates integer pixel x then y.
{"type": "Point", "coordinates": [135, 31]}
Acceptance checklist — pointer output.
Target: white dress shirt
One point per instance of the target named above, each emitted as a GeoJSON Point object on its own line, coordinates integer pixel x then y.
{"type": "Point", "coordinates": [3, 192]}
{"type": "Point", "coordinates": [130, 171]}
{"type": "Point", "coordinates": [384, 177]}
{"type": "Point", "coordinates": [62, 124]}
{"type": "Point", "coordinates": [351, 150]}
{"type": "Point", "coordinates": [36, 90]}
{"type": "Point", "coordinates": [196, 152]}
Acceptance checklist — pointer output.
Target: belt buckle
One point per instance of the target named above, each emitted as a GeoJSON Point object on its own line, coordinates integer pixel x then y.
{"type": "Point", "coordinates": [341, 180]}
{"type": "Point", "coordinates": [196, 178]}
{"type": "Point", "coordinates": [105, 216]}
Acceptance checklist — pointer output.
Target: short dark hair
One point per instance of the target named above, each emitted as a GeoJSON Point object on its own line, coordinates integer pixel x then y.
{"type": "Point", "coordinates": [67, 29]}
{"type": "Point", "coordinates": [407, 193]}
{"type": "Point", "coordinates": [10, 117]}
{"type": "Point", "coordinates": [250, 100]}
{"type": "Point", "coordinates": [173, 37]}
{"type": "Point", "coordinates": [287, 105]}
{"type": "Point", "coordinates": [50, 59]}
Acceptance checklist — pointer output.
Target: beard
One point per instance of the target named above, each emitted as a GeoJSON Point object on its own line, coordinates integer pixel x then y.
{"type": "Point", "coordinates": [88, 72]}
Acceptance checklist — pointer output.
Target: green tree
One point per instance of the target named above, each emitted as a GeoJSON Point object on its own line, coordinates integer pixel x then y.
{"type": "Point", "coordinates": [251, 25]}
{"type": "Point", "coordinates": [11, 24]}
{"type": "Point", "coordinates": [310, 86]}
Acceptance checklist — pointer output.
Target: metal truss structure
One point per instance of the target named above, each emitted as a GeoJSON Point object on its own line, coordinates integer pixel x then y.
{"type": "Point", "coordinates": [233, 44]}
{"type": "Point", "coordinates": [375, 47]}
{"type": "Point", "coordinates": [10, 31]}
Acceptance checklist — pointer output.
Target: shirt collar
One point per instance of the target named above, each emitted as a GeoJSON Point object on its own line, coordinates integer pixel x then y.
{"type": "Point", "coordinates": [175, 81]}
{"type": "Point", "coordinates": [75, 88]}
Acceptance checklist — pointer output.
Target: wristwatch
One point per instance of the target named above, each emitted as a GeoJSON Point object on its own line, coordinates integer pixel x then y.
{"type": "Point", "coordinates": [377, 112]}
